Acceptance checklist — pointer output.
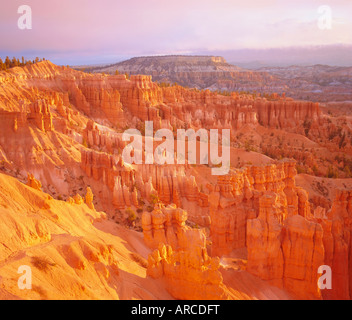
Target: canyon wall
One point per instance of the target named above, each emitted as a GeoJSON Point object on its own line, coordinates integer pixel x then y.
{"type": "Point", "coordinates": [183, 263]}
{"type": "Point", "coordinates": [65, 127]}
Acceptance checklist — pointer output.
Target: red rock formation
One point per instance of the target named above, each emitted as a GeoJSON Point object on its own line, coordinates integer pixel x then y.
{"type": "Point", "coordinates": [33, 182]}
{"type": "Point", "coordinates": [40, 114]}
{"type": "Point", "coordinates": [95, 137]}
{"type": "Point", "coordinates": [303, 253]}
{"type": "Point", "coordinates": [258, 208]}
{"type": "Point", "coordinates": [105, 167]}
{"type": "Point", "coordinates": [78, 199]}
{"type": "Point", "coordinates": [140, 95]}
{"type": "Point", "coordinates": [287, 254]}
{"type": "Point", "coordinates": [166, 225]}
{"type": "Point", "coordinates": [89, 198]}
{"type": "Point", "coordinates": [285, 113]}
{"type": "Point", "coordinates": [235, 199]}
{"type": "Point", "coordinates": [188, 274]}
{"type": "Point", "coordinates": [265, 257]}
{"type": "Point", "coordinates": [183, 263]}
{"type": "Point", "coordinates": [337, 243]}
{"type": "Point", "coordinates": [101, 99]}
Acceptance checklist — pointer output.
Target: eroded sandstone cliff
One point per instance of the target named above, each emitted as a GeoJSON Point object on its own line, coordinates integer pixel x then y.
{"type": "Point", "coordinates": [65, 127]}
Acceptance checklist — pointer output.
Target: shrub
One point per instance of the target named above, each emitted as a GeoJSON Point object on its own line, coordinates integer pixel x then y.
{"type": "Point", "coordinates": [84, 143]}
{"type": "Point", "coordinates": [42, 263]}
{"type": "Point", "coordinates": [307, 124]}
{"type": "Point", "coordinates": [301, 169]}
{"type": "Point", "coordinates": [315, 169]}
{"type": "Point", "coordinates": [332, 173]}
{"type": "Point", "coordinates": [249, 147]}
{"type": "Point", "coordinates": [155, 198]}
{"type": "Point", "coordinates": [131, 215]}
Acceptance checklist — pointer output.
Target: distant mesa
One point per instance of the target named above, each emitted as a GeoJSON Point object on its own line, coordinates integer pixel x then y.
{"type": "Point", "coordinates": [320, 83]}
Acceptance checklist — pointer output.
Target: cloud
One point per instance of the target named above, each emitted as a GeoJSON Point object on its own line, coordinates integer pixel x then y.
{"type": "Point", "coordinates": [108, 28]}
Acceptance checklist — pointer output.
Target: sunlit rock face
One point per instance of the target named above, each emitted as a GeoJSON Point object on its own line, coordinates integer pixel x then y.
{"type": "Point", "coordinates": [67, 193]}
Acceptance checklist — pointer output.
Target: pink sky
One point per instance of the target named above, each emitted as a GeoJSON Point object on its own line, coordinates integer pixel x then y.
{"type": "Point", "coordinates": [83, 31]}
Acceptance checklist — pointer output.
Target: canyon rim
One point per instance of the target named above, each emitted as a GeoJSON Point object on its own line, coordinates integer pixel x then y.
{"type": "Point", "coordinates": [198, 151]}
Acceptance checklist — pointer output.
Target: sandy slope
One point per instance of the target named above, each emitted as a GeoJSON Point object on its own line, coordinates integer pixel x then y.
{"type": "Point", "coordinates": [82, 255]}
{"type": "Point", "coordinates": [322, 187]}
